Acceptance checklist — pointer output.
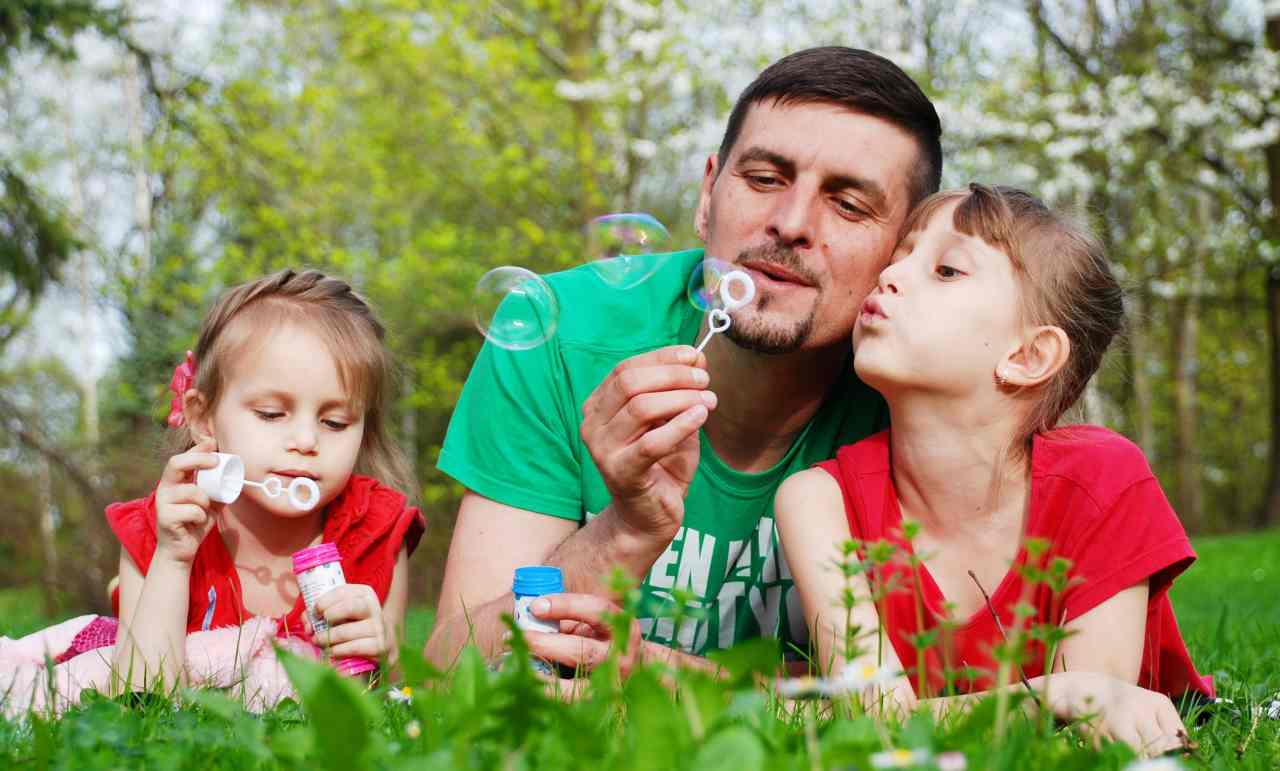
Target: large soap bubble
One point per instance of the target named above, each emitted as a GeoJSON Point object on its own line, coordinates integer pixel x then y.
{"type": "Point", "coordinates": [515, 308]}
{"type": "Point", "coordinates": [620, 247]}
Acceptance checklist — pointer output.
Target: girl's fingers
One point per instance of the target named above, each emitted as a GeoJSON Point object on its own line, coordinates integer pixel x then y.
{"type": "Point", "coordinates": [342, 633]}
{"type": "Point", "coordinates": [188, 493]}
{"type": "Point", "coordinates": [369, 647]}
{"type": "Point", "coordinates": [351, 602]}
{"type": "Point", "coordinates": [187, 514]}
{"type": "Point", "coordinates": [180, 467]}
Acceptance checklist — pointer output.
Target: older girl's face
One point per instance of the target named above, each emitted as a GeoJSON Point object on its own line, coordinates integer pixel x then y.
{"type": "Point", "coordinates": [943, 315]}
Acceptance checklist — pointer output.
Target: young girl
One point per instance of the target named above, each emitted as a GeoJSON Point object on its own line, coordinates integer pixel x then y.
{"type": "Point", "coordinates": [290, 373]}
{"type": "Point", "coordinates": [983, 330]}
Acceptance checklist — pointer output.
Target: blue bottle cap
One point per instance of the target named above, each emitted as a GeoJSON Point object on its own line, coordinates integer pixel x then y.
{"type": "Point", "coordinates": [536, 580]}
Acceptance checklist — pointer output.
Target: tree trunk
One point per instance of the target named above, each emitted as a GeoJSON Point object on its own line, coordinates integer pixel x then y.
{"type": "Point", "coordinates": [1190, 491]}
{"type": "Point", "coordinates": [1139, 355]}
{"type": "Point", "coordinates": [48, 538]}
{"type": "Point", "coordinates": [1269, 514]}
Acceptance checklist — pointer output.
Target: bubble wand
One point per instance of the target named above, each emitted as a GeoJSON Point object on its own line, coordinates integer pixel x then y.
{"type": "Point", "coordinates": [718, 320]}
{"type": "Point", "coordinates": [225, 482]}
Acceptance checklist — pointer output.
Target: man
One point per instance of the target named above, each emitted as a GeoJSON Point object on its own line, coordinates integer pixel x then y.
{"type": "Point", "coordinates": [617, 445]}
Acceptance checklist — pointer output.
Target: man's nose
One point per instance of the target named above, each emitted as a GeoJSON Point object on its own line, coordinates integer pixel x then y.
{"type": "Point", "coordinates": [792, 220]}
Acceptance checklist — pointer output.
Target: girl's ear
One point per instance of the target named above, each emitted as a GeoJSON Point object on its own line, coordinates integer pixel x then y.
{"type": "Point", "coordinates": [1042, 354]}
{"type": "Point", "coordinates": [198, 417]}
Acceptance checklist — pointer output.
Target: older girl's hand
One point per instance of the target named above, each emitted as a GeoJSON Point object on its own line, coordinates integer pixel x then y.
{"type": "Point", "coordinates": [354, 616]}
{"type": "Point", "coordinates": [184, 513]}
{"type": "Point", "coordinates": [1110, 708]}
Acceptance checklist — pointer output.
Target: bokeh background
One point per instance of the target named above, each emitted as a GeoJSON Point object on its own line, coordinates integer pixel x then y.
{"type": "Point", "coordinates": [152, 153]}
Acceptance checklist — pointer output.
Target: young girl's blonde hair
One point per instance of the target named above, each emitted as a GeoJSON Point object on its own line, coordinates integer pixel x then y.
{"type": "Point", "coordinates": [1063, 274]}
{"type": "Point", "coordinates": [334, 311]}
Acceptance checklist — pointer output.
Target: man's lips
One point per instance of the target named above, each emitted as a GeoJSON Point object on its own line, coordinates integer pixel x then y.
{"type": "Point", "coordinates": [776, 272]}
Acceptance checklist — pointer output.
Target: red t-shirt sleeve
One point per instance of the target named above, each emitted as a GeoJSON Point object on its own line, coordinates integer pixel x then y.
{"type": "Point", "coordinates": [135, 526]}
{"type": "Point", "coordinates": [1137, 537]}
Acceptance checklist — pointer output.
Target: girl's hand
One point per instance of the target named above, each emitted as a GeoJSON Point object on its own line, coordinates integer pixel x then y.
{"type": "Point", "coordinates": [1121, 711]}
{"type": "Point", "coordinates": [184, 513]}
{"type": "Point", "coordinates": [355, 622]}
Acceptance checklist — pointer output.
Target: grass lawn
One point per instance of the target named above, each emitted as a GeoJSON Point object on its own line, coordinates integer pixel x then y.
{"type": "Point", "coordinates": [1227, 604]}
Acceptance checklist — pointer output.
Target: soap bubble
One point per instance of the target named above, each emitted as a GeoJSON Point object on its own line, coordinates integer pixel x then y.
{"type": "Point", "coordinates": [704, 284]}
{"type": "Point", "coordinates": [620, 245]}
{"type": "Point", "coordinates": [515, 308]}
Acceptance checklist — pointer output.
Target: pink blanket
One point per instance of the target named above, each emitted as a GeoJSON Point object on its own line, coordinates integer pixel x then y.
{"type": "Point", "coordinates": [239, 659]}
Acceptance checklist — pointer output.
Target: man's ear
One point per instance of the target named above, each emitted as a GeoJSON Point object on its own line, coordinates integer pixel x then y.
{"type": "Point", "coordinates": [702, 217]}
{"type": "Point", "coordinates": [1043, 353]}
{"type": "Point", "coordinates": [198, 417]}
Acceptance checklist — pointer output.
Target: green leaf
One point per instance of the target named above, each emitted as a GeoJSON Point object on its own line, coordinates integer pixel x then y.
{"type": "Point", "coordinates": [341, 713]}
{"type": "Point", "coordinates": [736, 748]}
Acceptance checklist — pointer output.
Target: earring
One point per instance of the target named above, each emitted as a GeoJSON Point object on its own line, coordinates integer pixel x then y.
{"type": "Point", "coordinates": [1001, 380]}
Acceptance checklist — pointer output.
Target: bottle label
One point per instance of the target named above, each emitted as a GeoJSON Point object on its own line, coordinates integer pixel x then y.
{"type": "Point", "coordinates": [526, 620]}
{"type": "Point", "coordinates": [314, 583]}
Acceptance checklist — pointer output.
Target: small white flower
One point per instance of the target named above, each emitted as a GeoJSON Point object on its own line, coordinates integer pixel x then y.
{"type": "Point", "coordinates": [413, 729]}
{"type": "Point", "coordinates": [951, 761]}
{"type": "Point", "coordinates": [400, 695]}
{"type": "Point", "coordinates": [1155, 764]}
{"type": "Point", "coordinates": [900, 758]}
{"type": "Point", "coordinates": [864, 676]}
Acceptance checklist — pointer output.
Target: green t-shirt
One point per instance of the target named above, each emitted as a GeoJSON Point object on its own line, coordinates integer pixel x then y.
{"type": "Point", "coordinates": [514, 438]}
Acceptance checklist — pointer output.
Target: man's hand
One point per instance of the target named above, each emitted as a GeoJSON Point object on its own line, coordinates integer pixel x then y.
{"type": "Point", "coordinates": [586, 636]}
{"type": "Point", "coordinates": [184, 513]}
{"type": "Point", "coordinates": [1121, 711]}
{"type": "Point", "coordinates": [354, 616]}
{"type": "Point", "coordinates": [641, 427]}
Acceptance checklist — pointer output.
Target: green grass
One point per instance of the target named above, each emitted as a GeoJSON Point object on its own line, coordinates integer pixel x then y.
{"type": "Point", "coordinates": [471, 717]}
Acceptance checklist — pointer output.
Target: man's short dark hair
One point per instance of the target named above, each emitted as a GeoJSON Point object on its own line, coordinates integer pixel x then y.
{"type": "Point", "coordinates": [860, 81]}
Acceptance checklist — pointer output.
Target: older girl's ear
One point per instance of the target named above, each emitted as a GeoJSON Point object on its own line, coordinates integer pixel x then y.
{"type": "Point", "coordinates": [1043, 353]}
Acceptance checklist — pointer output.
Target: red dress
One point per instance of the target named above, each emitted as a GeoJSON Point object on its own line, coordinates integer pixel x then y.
{"type": "Point", "coordinates": [1094, 501]}
{"type": "Point", "coordinates": [368, 522]}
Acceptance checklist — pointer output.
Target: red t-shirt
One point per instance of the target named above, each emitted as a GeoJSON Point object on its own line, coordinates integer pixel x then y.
{"type": "Point", "coordinates": [368, 522]}
{"type": "Point", "coordinates": [1094, 500]}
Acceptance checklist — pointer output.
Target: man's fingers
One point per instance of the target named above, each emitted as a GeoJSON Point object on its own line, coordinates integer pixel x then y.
{"type": "Point", "coordinates": [575, 651]}
{"type": "Point", "coordinates": [584, 608]}
{"type": "Point", "coordinates": [670, 368]}
{"type": "Point", "coordinates": [650, 410]}
{"type": "Point", "coordinates": [659, 442]}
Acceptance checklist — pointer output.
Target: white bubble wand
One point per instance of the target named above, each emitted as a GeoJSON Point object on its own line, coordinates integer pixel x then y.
{"type": "Point", "coordinates": [224, 483]}
{"type": "Point", "coordinates": [718, 320]}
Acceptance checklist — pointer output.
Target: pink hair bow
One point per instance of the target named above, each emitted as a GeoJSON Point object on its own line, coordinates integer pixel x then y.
{"type": "Point", "coordinates": [184, 376]}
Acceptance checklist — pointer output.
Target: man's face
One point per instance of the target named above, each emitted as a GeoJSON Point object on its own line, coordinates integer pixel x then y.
{"type": "Point", "coordinates": [809, 202]}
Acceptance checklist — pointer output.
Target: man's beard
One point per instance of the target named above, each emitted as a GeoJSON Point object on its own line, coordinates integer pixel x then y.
{"type": "Point", "coordinates": [753, 332]}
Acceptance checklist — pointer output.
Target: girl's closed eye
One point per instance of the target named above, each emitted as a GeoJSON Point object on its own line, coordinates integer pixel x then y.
{"type": "Point", "coordinates": [269, 414]}
{"type": "Point", "coordinates": [336, 424]}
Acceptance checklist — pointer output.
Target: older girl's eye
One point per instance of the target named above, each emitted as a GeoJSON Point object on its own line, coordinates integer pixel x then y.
{"type": "Point", "coordinates": [946, 271]}
{"type": "Point", "coordinates": [336, 425]}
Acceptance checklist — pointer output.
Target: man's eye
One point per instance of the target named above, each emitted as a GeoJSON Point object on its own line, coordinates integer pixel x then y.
{"type": "Point", "coordinates": [849, 209]}
{"type": "Point", "coordinates": [946, 271]}
{"type": "Point", "coordinates": [268, 414]}
{"type": "Point", "coordinates": [762, 181]}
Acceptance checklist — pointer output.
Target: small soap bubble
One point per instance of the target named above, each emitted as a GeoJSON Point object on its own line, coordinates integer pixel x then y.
{"type": "Point", "coordinates": [704, 284]}
{"type": "Point", "coordinates": [515, 308]}
{"type": "Point", "coordinates": [620, 245]}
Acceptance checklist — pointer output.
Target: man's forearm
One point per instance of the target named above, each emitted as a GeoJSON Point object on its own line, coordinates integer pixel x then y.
{"type": "Point", "coordinates": [481, 625]}
{"type": "Point", "coordinates": [588, 557]}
